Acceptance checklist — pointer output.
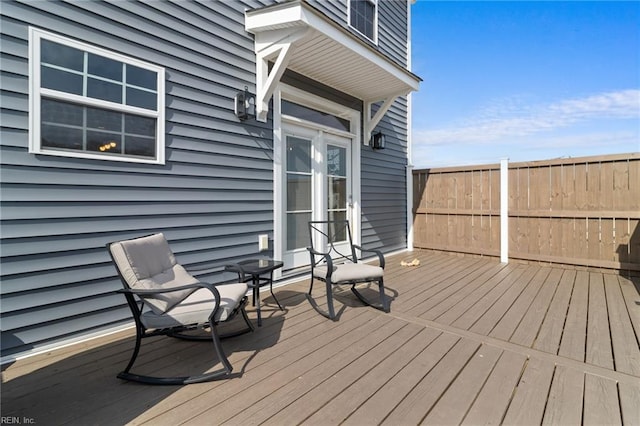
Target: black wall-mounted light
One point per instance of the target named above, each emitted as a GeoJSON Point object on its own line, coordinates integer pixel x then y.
{"type": "Point", "coordinates": [244, 104]}
{"type": "Point", "coordinates": [377, 140]}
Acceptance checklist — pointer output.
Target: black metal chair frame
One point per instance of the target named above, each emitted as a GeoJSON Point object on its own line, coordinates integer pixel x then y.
{"type": "Point", "coordinates": [331, 259]}
{"type": "Point", "coordinates": [135, 300]}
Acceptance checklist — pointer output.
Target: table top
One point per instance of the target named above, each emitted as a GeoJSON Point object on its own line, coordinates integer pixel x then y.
{"type": "Point", "coordinates": [256, 266]}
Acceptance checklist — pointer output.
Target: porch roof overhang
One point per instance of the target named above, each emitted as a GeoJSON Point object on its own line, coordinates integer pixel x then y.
{"type": "Point", "coordinates": [294, 35]}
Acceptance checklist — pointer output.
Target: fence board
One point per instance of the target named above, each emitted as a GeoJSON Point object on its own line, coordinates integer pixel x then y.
{"type": "Point", "coordinates": [582, 211]}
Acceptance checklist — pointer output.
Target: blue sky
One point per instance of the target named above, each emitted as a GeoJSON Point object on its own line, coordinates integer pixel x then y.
{"type": "Point", "coordinates": [524, 80]}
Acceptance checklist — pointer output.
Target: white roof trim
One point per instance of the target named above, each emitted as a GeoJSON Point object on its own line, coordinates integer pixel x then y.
{"type": "Point", "coordinates": [294, 35]}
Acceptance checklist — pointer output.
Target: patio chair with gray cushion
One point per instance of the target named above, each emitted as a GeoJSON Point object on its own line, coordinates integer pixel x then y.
{"type": "Point", "coordinates": [166, 300]}
{"type": "Point", "coordinates": [334, 261]}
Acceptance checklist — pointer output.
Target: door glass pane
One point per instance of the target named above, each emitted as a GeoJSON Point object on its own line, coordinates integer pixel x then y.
{"type": "Point", "coordinates": [297, 230]}
{"type": "Point", "coordinates": [337, 188]}
{"type": "Point", "coordinates": [339, 233]}
{"type": "Point", "coordinates": [298, 155]}
{"type": "Point", "coordinates": [336, 161]}
{"type": "Point", "coordinates": [336, 177]}
{"type": "Point", "coordinates": [298, 192]}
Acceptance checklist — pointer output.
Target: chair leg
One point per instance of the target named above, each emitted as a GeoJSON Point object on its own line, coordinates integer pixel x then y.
{"type": "Point", "coordinates": [219, 351]}
{"type": "Point", "coordinates": [383, 297]}
{"type": "Point", "coordinates": [311, 284]}
{"type": "Point", "coordinates": [217, 345]}
{"type": "Point", "coordinates": [383, 300]}
{"type": "Point", "coordinates": [331, 314]}
{"type": "Point", "coordinates": [185, 380]}
{"type": "Point", "coordinates": [246, 319]}
{"type": "Point", "coordinates": [136, 350]}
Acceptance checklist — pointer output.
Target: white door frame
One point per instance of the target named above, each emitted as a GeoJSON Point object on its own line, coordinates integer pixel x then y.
{"type": "Point", "coordinates": [279, 186]}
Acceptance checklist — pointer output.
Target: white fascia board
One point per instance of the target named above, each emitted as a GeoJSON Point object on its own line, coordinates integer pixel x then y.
{"type": "Point", "coordinates": [278, 16]}
{"type": "Point", "coordinates": [277, 27]}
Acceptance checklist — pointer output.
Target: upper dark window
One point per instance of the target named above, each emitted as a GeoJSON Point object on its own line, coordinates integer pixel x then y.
{"type": "Point", "coordinates": [363, 17]}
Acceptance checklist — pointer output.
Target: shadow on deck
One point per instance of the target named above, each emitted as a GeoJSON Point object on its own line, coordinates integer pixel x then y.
{"type": "Point", "coordinates": [468, 340]}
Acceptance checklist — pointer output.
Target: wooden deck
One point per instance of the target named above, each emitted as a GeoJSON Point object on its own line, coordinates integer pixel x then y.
{"type": "Point", "coordinates": [468, 341]}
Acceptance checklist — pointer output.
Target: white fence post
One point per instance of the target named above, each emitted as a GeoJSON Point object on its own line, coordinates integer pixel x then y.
{"type": "Point", "coordinates": [504, 210]}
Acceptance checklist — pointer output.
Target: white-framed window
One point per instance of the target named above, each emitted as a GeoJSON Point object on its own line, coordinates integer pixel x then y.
{"type": "Point", "coordinates": [88, 102]}
{"type": "Point", "coordinates": [363, 17]}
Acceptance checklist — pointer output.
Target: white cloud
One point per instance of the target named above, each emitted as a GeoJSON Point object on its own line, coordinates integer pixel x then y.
{"type": "Point", "coordinates": [513, 119]}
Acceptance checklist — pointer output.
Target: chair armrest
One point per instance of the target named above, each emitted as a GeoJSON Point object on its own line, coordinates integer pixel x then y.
{"type": "Point", "coordinates": [316, 252]}
{"type": "Point", "coordinates": [150, 292]}
{"type": "Point", "coordinates": [377, 252]}
{"type": "Point", "coordinates": [236, 267]}
{"type": "Point", "coordinates": [327, 259]}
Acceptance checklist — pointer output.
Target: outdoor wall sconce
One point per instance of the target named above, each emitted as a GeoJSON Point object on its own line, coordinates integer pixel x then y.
{"type": "Point", "coordinates": [378, 140]}
{"type": "Point", "coordinates": [244, 104]}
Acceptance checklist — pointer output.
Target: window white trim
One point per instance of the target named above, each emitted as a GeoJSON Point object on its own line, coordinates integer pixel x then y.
{"type": "Point", "coordinates": [36, 93]}
{"type": "Point", "coordinates": [376, 12]}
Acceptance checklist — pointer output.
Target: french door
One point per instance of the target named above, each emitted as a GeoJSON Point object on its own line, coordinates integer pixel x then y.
{"type": "Point", "coordinates": [318, 185]}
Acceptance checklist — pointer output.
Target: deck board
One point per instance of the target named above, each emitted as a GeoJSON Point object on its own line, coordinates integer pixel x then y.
{"type": "Point", "coordinates": [417, 403]}
{"type": "Point", "coordinates": [631, 290]}
{"type": "Point", "coordinates": [548, 339]}
{"type": "Point", "coordinates": [374, 403]}
{"type": "Point", "coordinates": [494, 398]}
{"type": "Point", "coordinates": [622, 336]}
{"type": "Point", "coordinates": [575, 327]}
{"type": "Point", "coordinates": [356, 383]}
{"type": "Point", "coordinates": [527, 330]}
{"type": "Point", "coordinates": [529, 400]}
{"type": "Point", "coordinates": [511, 306]}
{"type": "Point", "coordinates": [601, 405]}
{"type": "Point", "coordinates": [454, 403]}
{"type": "Point", "coordinates": [468, 340]}
{"type": "Point", "coordinates": [629, 399]}
{"type": "Point", "coordinates": [498, 297]}
{"type": "Point", "coordinates": [564, 405]}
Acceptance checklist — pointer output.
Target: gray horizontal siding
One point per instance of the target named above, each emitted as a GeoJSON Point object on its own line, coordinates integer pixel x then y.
{"type": "Point", "coordinates": [383, 176]}
{"type": "Point", "coordinates": [211, 199]}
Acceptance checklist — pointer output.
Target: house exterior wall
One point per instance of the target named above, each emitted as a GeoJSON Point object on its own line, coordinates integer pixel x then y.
{"type": "Point", "coordinates": [211, 198]}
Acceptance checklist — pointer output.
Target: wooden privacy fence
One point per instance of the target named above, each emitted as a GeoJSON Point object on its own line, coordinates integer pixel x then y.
{"type": "Point", "coordinates": [577, 211]}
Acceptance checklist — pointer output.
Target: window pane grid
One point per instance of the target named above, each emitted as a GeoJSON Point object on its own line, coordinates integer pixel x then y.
{"type": "Point", "coordinates": [89, 79]}
{"type": "Point", "coordinates": [95, 103]}
{"type": "Point", "coordinates": [96, 130]}
{"type": "Point", "coordinates": [363, 17]}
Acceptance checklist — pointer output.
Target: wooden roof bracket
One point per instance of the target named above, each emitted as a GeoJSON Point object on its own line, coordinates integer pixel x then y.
{"type": "Point", "coordinates": [276, 47]}
{"type": "Point", "coordinates": [370, 122]}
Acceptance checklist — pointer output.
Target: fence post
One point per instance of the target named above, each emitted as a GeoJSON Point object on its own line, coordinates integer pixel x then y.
{"type": "Point", "coordinates": [504, 210]}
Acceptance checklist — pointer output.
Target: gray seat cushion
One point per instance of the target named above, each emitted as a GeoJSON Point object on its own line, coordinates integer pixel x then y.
{"type": "Point", "coordinates": [148, 263]}
{"type": "Point", "coordinates": [350, 272]}
{"type": "Point", "coordinates": [197, 307]}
